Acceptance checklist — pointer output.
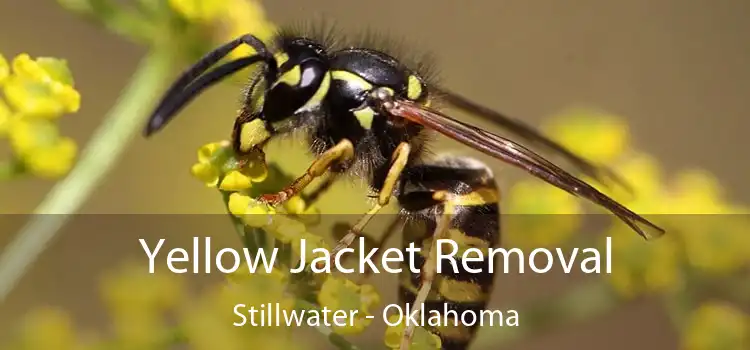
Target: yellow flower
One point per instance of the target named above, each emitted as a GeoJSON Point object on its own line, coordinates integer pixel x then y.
{"type": "Point", "coordinates": [643, 267]}
{"type": "Point", "coordinates": [697, 192]}
{"type": "Point", "coordinates": [421, 340]}
{"type": "Point", "coordinates": [199, 10]}
{"type": "Point", "coordinates": [643, 173]}
{"type": "Point", "coordinates": [209, 151]}
{"type": "Point", "coordinates": [343, 294]}
{"type": "Point", "coordinates": [41, 148]}
{"type": "Point", "coordinates": [41, 88]}
{"type": "Point", "coordinates": [690, 192]}
{"type": "Point", "coordinates": [206, 173]}
{"type": "Point", "coordinates": [295, 205]}
{"type": "Point", "coordinates": [6, 116]}
{"type": "Point", "coordinates": [215, 160]}
{"type": "Point", "coordinates": [48, 328]}
{"type": "Point", "coordinates": [131, 288]}
{"type": "Point", "coordinates": [242, 275]}
{"type": "Point", "coordinates": [37, 92]}
{"type": "Point", "coordinates": [244, 17]}
{"type": "Point", "coordinates": [253, 213]}
{"type": "Point", "coordinates": [27, 135]}
{"type": "Point", "coordinates": [714, 239]}
{"type": "Point", "coordinates": [211, 157]}
{"type": "Point", "coordinates": [536, 197]}
{"type": "Point", "coordinates": [4, 69]}
{"type": "Point", "coordinates": [597, 136]}
{"type": "Point", "coordinates": [312, 242]}
{"type": "Point", "coordinates": [137, 302]}
{"type": "Point", "coordinates": [238, 204]}
{"type": "Point", "coordinates": [540, 215]}
{"type": "Point", "coordinates": [53, 161]}
{"type": "Point", "coordinates": [139, 329]}
{"type": "Point", "coordinates": [234, 18]}
{"type": "Point", "coordinates": [210, 323]}
{"type": "Point", "coordinates": [258, 215]}
{"type": "Point", "coordinates": [715, 325]}
{"type": "Point", "coordinates": [235, 181]}
{"type": "Point", "coordinates": [261, 286]}
{"type": "Point", "coordinates": [287, 229]}
{"type": "Point", "coordinates": [36, 98]}
{"type": "Point", "coordinates": [44, 69]}
{"type": "Point", "coordinates": [716, 243]}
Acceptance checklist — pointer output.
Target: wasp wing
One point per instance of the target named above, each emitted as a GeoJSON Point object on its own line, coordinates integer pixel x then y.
{"type": "Point", "coordinates": [530, 134]}
{"type": "Point", "coordinates": [517, 155]}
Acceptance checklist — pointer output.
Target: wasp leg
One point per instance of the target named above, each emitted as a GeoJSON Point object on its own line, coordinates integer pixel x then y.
{"type": "Point", "coordinates": [429, 268]}
{"type": "Point", "coordinates": [192, 81]}
{"type": "Point", "coordinates": [341, 152]}
{"type": "Point", "coordinates": [400, 158]}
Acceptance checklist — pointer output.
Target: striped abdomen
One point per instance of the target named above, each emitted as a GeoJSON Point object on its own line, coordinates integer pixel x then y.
{"type": "Point", "coordinates": [473, 197]}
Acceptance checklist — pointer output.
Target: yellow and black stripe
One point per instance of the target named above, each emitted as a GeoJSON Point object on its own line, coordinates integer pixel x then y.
{"type": "Point", "coordinates": [469, 190]}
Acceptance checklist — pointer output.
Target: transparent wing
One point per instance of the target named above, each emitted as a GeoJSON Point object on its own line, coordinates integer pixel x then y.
{"type": "Point", "coordinates": [519, 156]}
{"type": "Point", "coordinates": [534, 137]}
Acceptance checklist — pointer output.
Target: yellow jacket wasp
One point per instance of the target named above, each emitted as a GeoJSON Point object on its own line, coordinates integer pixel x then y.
{"type": "Point", "coordinates": [367, 113]}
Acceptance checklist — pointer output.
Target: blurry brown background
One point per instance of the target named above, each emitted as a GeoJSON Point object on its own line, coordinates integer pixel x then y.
{"type": "Point", "coordinates": [677, 69]}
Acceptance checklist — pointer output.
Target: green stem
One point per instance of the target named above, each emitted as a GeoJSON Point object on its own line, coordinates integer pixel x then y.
{"type": "Point", "coordinates": [97, 160]}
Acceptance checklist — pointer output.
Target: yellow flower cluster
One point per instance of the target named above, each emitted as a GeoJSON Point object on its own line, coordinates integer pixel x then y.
{"type": "Point", "coordinates": [137, 302]}
{"type": "Point", "coordinates": [36, 93]}
{"type": "Point", "coordinates": [234, 18]}
{"type": "Point", "coordinates": [217, 167]}
{"type": "Point", "coordinates": [208, 322]}
{"type": "Point", "coordinates": [643, 267]}
{"type": "Point", "coordinates": [540, 215]}
{"type": "Point", "coordinates": [156, 311]}
{"type": "Point", "coordinates": [50, 328]}
{"type": "Point", "coordinates": [421, 340]}
{"type": "Point", "coordinates": [215, 161]}
{"type": "Point", "coordinates": [596, 135]}
{"type": "Point", "coordinates": [704, 232]}
{"type": "Point", "coordinates": [716, 325]}
{"type": "Point", "coordinates": [343, 294]}
{"type": "Point", "coordinates": [714, 243]}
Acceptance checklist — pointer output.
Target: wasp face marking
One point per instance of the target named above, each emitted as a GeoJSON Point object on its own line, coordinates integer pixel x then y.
{"type": "Point", "coordinates": [302, 83]}
{"type": "Point", "coordinates": [416, 90]}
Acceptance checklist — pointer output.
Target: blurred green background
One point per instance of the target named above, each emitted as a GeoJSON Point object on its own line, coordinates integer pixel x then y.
{"type": "Point", "coordinates": [675, 70]}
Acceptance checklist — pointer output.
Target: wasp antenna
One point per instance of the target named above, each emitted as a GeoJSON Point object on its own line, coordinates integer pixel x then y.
{"type": "Point", "coordinates": [643, 227]}
{"type": "Point", "coordinates": [191, 83]}
{"type": "Point", "coordinates": [169, 107]}
{"type": "Point", "coordinates": [529, 133]}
